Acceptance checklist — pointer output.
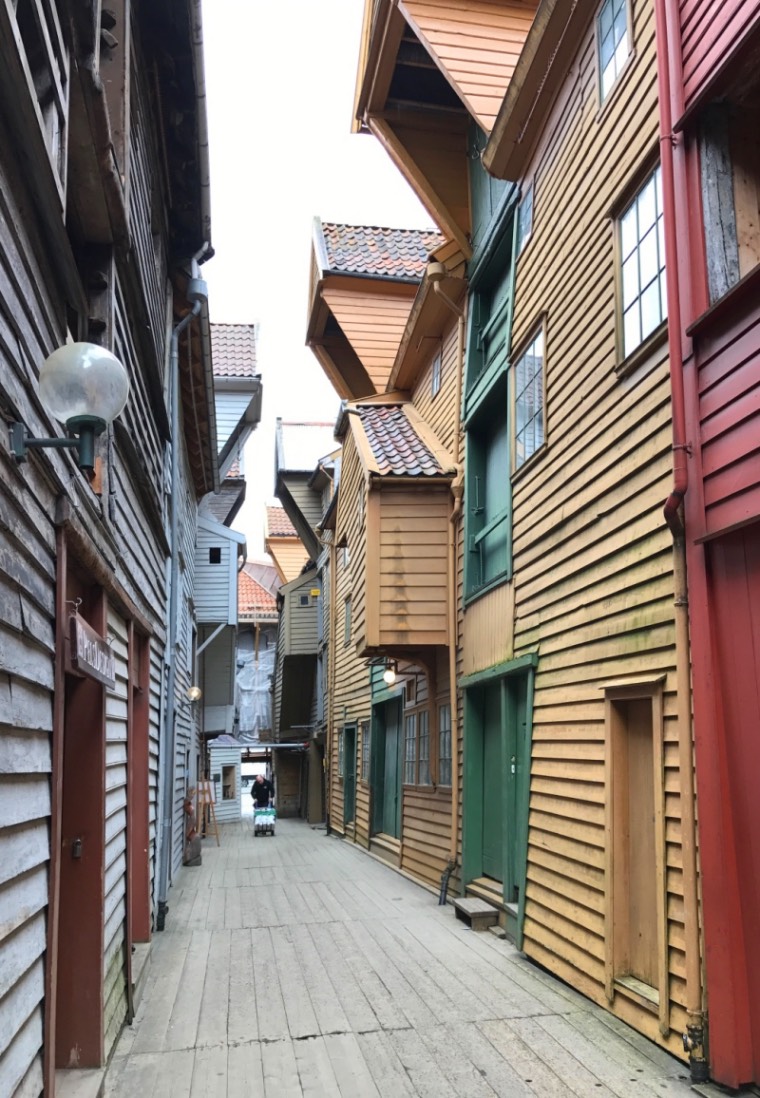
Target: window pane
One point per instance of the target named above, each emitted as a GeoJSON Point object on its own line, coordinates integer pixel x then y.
{"type": "Point", "coordinates": [444, 745]}
{"type": "Point", "coordinates": [648, 258]}
{"type": "Point", "coordinates": [621, 54]}
{"type": "Point", "coordinates": [605, 19]}
{"type": "Point", "coordinates": [628, 234]}
{"type": "Point", "coordinates": [424, 751]}
{"type": "Point", "coordinates": [410, 747]}
{"type": "Point", "coordinates": [607, 49]}
{"type": "Point", "coordinates": [630, 280]}
{"type": "Point", "coordinates": [647, 208]}
{"type": "Point", "coordinates": [650, 309]}
{"type": "Point", "coordinates": [631, 329]}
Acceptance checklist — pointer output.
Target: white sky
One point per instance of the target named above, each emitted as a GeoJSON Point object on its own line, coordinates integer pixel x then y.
{"type": "Point", "coordinates": [280, 80]}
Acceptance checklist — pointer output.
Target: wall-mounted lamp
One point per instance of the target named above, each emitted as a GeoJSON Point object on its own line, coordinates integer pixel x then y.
{"type": "Point", "coordinates": [389, 675]}
{"type": "Point", "coordinates": [194, 694]}
{"type": "Point", "coordinates": [83, 386]}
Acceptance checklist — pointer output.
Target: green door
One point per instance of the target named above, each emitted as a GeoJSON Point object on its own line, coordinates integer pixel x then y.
{"type": "Point", "coordinates": [349, 776]}
{"type": "Point", "coordinates": [516, 747]}
{"type": "Point", "coordinates": [493, 784]}
{"type": "Point", "coordinates": [391, 801]}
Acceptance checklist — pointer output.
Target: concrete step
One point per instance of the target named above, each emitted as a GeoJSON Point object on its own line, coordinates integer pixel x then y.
{"type": "Point", "coordinates": [478, 914]}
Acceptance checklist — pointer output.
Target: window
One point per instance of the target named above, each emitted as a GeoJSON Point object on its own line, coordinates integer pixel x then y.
{"type": "Point", "coordinates": [435, 384]}
{"type": "Point", "coordinates": [347, 623]}
{"type": "Point", "coordinates": [423, 748]}
{"type": "Point", "coordinates": [487, 494]}
{"type": "Point", "coordinates": [410, 749]}
{"type": "Point", "coordinates": [215, 555]}
{"type": "Point", "coordinates": [444, 745]}
{"type": "Point", "coordinates": [303, 600]}
{"type": "Point", "coordinates": [346, 557]}
{"type": "Point", "coordinates": [529, 400]}
{"type": "Point", "coordinates": [642, 259]}
{"type": "Point", "coordinates": [365, 750]}
{"type": "Point", "coordinates": [612, 43]}
{"type": "Point", "coordinates": [341, 759]}
{"type": "Point", "coordinates": [525, 218]}
{"type": "Point", "coordinates": [48, 67]}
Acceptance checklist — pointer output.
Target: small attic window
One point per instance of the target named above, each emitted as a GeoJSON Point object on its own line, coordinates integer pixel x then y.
{"type": "Point", "coordinates": [215, 554]}
{"type": "Point", "coordinates": [304, 600]}
{"type": "Point", "coordinates": [435, 387]}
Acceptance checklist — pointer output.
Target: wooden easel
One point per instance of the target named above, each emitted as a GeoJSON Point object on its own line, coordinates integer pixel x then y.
{"type": "Point", "coordinates": [205, 810]}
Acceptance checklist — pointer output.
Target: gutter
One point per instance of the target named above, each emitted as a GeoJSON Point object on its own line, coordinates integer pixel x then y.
{"type": "Point", "coordinates": [673, 153]}
{"type": "Point", "coordinates": [199, 67]}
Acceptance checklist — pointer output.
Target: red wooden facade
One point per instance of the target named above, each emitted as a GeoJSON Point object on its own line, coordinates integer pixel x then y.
{"type": "Point", "coordinates": [705, 49]}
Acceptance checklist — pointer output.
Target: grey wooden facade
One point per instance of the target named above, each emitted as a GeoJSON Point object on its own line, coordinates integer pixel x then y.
{"type": "Point", "coordinates": [92, 248]}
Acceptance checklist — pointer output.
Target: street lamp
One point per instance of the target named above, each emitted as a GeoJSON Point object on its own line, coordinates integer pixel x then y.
{"type": "Point", "coordinates": [85, 387]}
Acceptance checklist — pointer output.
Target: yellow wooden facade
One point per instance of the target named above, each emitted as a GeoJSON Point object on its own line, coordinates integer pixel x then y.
{"type": "Point", "coordinates": [593, 590]}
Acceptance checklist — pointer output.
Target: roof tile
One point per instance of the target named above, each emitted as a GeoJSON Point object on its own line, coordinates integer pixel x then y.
{"type": "Point", "coordinates": [233, 350]}
{"type": "Point", "coordinates": [278, 524]}
{"type": "Point", "coordinates": [371, 250]}
{"type": "Point", "coordinates": [253, 599]}
{"type": "Point", "coordinates": [396, 446]}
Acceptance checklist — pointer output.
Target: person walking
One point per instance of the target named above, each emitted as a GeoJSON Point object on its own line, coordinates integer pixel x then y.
{"type": "Point", "coordinates": [262, 792]}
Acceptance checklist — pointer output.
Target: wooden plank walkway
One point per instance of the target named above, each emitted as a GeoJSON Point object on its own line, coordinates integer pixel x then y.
{"type": "Point", "coordinates": [298, 965]}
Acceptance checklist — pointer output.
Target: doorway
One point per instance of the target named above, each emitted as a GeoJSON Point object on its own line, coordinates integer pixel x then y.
{"type": "Point", "coordinates": [386, 768]}
{"type": "Point", "coordinates": [497, 746]}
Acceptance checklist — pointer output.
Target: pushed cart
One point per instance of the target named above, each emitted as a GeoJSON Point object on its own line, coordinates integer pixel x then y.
{"type": "Point", "coordinates": [264, 820]}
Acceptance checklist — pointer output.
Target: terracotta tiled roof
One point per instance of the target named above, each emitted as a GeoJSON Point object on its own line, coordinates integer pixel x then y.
{"type": "Point", "coordinates": [278, 524]}
{"type": "Point", "coordinates": [233, 350]}
{"type": "Point", "coordinates": [253, 599]}
{"type": "Point", "coordinates": [234, 471]}
{"type": "Point", "coordinates": [369, 250]}
{"type": "Point", "coordinates": [396, 446]}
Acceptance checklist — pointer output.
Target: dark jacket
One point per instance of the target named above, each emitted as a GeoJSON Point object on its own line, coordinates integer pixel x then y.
{"type": "Point", "coordinates": [262, 792]}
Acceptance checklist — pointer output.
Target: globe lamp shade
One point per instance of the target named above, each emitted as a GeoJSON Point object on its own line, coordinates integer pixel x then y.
{"type": "Point", "coordinates": [389, 675]}
{"type": "Point", "coordinates": [82, 382]}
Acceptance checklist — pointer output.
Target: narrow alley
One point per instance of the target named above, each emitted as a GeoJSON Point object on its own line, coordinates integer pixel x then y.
{"type": "Point", "coordinates": [298, 965]}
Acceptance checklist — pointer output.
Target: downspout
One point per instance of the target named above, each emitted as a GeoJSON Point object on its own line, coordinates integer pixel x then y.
{"type": "Point", "coordinates": [196, 293]}
{"type": "Point", "coordinates": [670, 84]}
{"type": "Point", "coordinates": [331, 650]}
{"type": "Point", "coordinates": [436, 272]}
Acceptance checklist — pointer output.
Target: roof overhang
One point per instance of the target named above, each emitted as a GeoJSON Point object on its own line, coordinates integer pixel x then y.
{"type": "Point", "coordinates": [549, 49]}
{"type": "Point", "coordinates": [197, 394]}
{"type": "Point", "coordinates": [242, 430]}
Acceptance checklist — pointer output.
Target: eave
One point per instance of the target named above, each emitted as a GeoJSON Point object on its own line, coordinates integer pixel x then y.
{"type": "Point", "coordinates": [543, 67]}
{"type": "Point", "coordinates": [430, 317]}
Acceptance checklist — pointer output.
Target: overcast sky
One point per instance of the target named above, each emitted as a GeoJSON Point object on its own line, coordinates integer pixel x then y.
{"type": "Point", "coordinates": [281, 82]}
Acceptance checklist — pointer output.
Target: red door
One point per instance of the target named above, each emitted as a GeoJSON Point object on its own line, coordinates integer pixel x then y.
{"type": "Point", "coordinates": [734, 584]}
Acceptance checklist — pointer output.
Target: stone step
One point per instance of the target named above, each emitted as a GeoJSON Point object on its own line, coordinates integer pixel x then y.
{"type": "Point", "coordinates": [476, 913]}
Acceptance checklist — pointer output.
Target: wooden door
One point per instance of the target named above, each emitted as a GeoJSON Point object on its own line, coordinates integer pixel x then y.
{"type": "Point", "coordinates": [391, 795]}
{"type": "Point", "coordinates": [349, 775]}
{"type": "Point", "coordinates": [517, 760]}
{"type": "Point", "coordinates": [493, 784]}
{"type": "Point", "coordinates": [734, 576]}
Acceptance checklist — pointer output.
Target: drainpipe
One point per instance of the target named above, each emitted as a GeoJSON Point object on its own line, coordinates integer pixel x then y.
{"type": "Point", "coordinates": [332, 658]}
{"type": "Point", "coordinates": [197, 293]}
{"type": "Point", "coordinates": [670, 85]}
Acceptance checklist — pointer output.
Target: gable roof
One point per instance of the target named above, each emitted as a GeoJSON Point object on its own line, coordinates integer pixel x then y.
{"type": "Point", "coordinates": [233, 348]}
{"type": "Point", "coordinates": [396, 445]}
{"type": "Point", "coordinates": [278, 524]}
{"type": "Point", "coordinates": [399, 254]}
{"type": "Point", "coordinates": [254, 601]}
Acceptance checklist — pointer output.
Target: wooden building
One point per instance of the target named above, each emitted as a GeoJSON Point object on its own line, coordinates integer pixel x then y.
{"type": "Point", "coordinates": [710, 93]}
{"type": "Point", "coordinates": [283, 544]}
{"type": "Point", "coordinates": [572, 661]}
{"type": "Point", "coordinates": [96, 133]}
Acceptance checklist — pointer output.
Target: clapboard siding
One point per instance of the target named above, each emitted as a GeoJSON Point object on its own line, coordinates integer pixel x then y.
{"type": "Point", "coordinates": [114, 968]}
{"type": "Point", "coordinates": [230, 408]}
{"type": "Point", "coordinates": [226, 809]}
{"type": "Point", "coordinates": [288, 555]}
{"type": "Point", "coordinates": [710, 31]}
{"type": "Point", "coordinates": [308, 502]}
{"type": "Point", "coordinates": [426, 832]}
{"type": "Point", "coordinates": [593, 586]}
{"type": "Point", "coordinates": [302, 622]}
{"type": "Point", "coordinates": [476, 46]}
{"type": "Point", "coordinates": [215, 580]}
{"type": "Point", "coordinates": [440, 412]}
{"type": "Point", "coordinates": [373, 325]}
{"type": "Point", "coordinates": [729, 399]}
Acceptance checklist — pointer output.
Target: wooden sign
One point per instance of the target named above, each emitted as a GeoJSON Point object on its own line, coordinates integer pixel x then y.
{"type": "Point", "coordinates": [89, 654]}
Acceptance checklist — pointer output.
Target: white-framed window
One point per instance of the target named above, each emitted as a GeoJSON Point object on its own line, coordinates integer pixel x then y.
{"type": "Point", "coordinates": [444, 745]}
{"type": "Point", "coordinates": [365, 728]}
{"type": "Point", "coordinates": [529, 400]}
{"type": "Point", "coordinates": [613, 43]}
{"type": "Point", "coordinates": [410, 749]}
{"type": "Point", "coordinates": [525, 218]}
{"type": "Point", "coordinates": [642, 265]}
{"type": "Point", "coordinates": [435, 382]}
{"type": "Point", "coordinates": [423, 748]}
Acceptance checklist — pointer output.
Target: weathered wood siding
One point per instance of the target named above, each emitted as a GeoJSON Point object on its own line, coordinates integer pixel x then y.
{"type": "Point", "coordinates": [440, 411]}
{"type": "Point", "coordinates": [302, 620]}
{"type": "Point", "coordinates": [426, 832]}
{"type": "Point", "coordinates": [592, 555]}
{"type": "Point", "coordinates": [230, 408]}
{"type": "Point", "coordinates": [408, 589]}
{"type": "Point", "coordinates": [373, 323]}
{"type": "Point", "coordinates": [728, 372]}
{"type": "Point", "coordinates": [476, 45]}
{"type": "Point", "coordinates": [216, 580]}
{"type": "Point", "coordinates": [227, 809]}
{"type": "Point", "coordinates": [710, 31]}
{"type": "Point", "coordinates": [288, 555]}
{"type": "Point", "coordinates": [350, 702]}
